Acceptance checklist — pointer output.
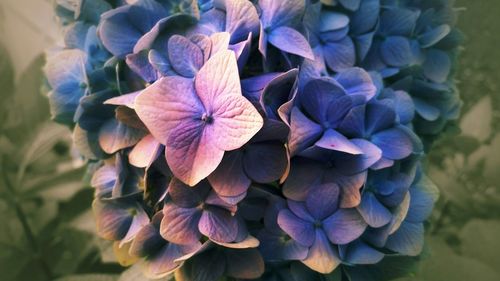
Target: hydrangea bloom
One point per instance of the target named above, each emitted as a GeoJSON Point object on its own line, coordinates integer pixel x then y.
{"type": "Point", "coordinates": [262, 140]}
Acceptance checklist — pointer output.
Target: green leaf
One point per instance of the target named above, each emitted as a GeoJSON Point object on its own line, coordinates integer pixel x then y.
{"type": "Point", "coordinates": [28, 107]}
{"type": "Point", "coordinates": [66, 249]}
{"type": "Point", "coordinates": [44, 140]}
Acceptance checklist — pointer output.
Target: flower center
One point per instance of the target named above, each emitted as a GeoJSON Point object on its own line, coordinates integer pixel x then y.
{"type": "Point", "coordinates": [318, 224]}
{"type": "Point", "coordinates": [207, 118]}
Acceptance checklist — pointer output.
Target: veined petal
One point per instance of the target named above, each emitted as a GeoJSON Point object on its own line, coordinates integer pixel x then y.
{"type": "Point", "coordinates": [300, 230]}
{"type": "Point", "coordinates": [344, 226]}
{"type": "Point", "coordinates": [322, 257]}
{"type": "Point", "coordinates": [162, 108]}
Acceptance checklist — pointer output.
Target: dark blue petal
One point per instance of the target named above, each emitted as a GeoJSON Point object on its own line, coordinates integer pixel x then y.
{"type": "Point", "coordinates": [396, 51]}
{"type": "Point", "coordinates": [340, 55]}
{"type": "Point", "coordinates": [304, 132]}
{"type": "Point", "coordinates": [398, 22]}
{"type": "Point", "coordinates": [323, 200]}
{"type": "Point", "coordinates": [117, 33]}
{"type": "Point", "coordinates": [394, 143]}
{"type": "Point", "coordinates": [373, 212]}
{"type": "Point", "coordinates": [366, 17]}
{"type": "Point", "coordinates": [437, 66]}
{"type": "Point", "coordinates": [352, 5]}
{"type": "Point", "coordinates": [357, 81]}
{"type": "Point", "coordinates": [379, 116]}
{"type": "Point", "coordinates": [359, 252]}
{"type": "Point", "coordinates": [300, 230]}
{"type": "Point", "coordinates": [408, 239]}
{"type": "Point", "coordinates": [434, 35]}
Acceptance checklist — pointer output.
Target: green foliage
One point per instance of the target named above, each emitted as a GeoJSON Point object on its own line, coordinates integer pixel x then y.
{"type": "Point", "coordinates": [42, 191]}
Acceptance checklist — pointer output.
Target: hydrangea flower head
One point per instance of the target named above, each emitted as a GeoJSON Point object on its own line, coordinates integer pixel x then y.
{"type": "Point", "coordinates": [257, 140]}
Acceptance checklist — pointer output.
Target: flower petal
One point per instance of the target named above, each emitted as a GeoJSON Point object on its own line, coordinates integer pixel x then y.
{"type": "Point", "coordinates": [300, 230]}
{"type": "Point", "coordinates": [344, 226]}
{"type": "Point", "coordinates": [291, 41]}
{"type": "Point", "coordinates": [394, 143]}
{"type": "Point", "coordinates": [161, 108]}
{"type": "Point", "coordinates": [303, 132]}
{"type": "Point", "coordinates": [333, 140]}
{"type": "Point", "coordinates": [229, 179]}
{"type": "Point", "coordinates": [322, 257]}
{"type": "Point", "coordinates": [190, 152]}
{"type": "Point", "coordinates": [185, 57]}
{"type": "Point", "coordinates": [218, 224]}
{"type": "Point", "coordinates": [408, 239]}
{"type": "Point", "coordinates": [323, 200]}
{"type": "Point", "coordinates": [396, 51]}
{"type": "Point", "coordinates": [374, 213]}
{"type": "Point", "coordinates": [180, 225]}
{"type": "Point", "coordinates": [265, 162]}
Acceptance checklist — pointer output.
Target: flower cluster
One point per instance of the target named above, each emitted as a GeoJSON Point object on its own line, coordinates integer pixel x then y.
{"type": "Point", "coordinates": [266, 139]}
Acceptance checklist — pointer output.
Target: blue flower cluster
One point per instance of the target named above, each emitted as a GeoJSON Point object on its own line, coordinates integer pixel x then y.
{"type": "Point", "coordinates": [261, 140]}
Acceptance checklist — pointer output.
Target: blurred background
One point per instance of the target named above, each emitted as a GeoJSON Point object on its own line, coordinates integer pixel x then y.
{"type": "Point", "coordinates": [47, 228]}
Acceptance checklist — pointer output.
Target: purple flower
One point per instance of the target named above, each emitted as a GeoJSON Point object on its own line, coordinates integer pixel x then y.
{"type": "Point", "coordinates": [209, 117]}
{"type": "Point", "coordinates": [319, 224]}
{"type": "Point", "coordinates": [263, 159]}
{"type": "Point", "coordinates": [195, 211]}
{"type": "Point", "coordinates": [279, 20]}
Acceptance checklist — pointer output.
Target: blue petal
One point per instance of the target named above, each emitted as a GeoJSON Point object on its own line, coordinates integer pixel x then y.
{"type": "Point", "coordinates": [398, 22]}
{"type": "Point", "coordinates": [408, 239]}
{"type": "Point", "coordinates": [437, 66]}
{"type": "Point", "coordinates": [139, 63]}
{"type": "Point", "coordinates": [323, 200]}
{"type": "Point", "coordinates": [359, 252]}
{"type": "Point", "coordinates": [427, 111]}
{"type": "Point", "coordinates": [300, 230]}
{"type": "Point", "coordinates": [186, 57]}
{"type": "Point", "coordinates": [332, 21]}
{"type": "Point", "coordinates": [434, 35]}
{"type": "Point", "coordinates": [160, 63]}
{"type": "Point", "coordinates": [357, 81]}
{"type": "Point", "coordinates": [395, 143]}
{"type": "Point", "coordinates": [373, 212]}
{"type": "Point", "coordinates": [281, 13]}
{"type": "Point", "coordinates": [352, 5]}
{"type": "Point", "coordinates": [396, 51]}
{"type": "Point", "coordinates": [303, 132]}
{"type": "Point", "coordinates": [340, 55]}
{"type": "Point", "coordinates": [333, 140]}
{"type": "Point", "coordinates": [117, 33]}
{"type": "Point", "coordinates": [366, 17]}
{"type": "Point", "coordinates": [353, 124]}
{"type": "Point", "coordinates": [344, 226]}
{"type": "Point", "coordinates": [379, 116]}
{"type": "Point", "coordinates": [291, 41]}
{"type": "Point", "coordinates": [363, 44]}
